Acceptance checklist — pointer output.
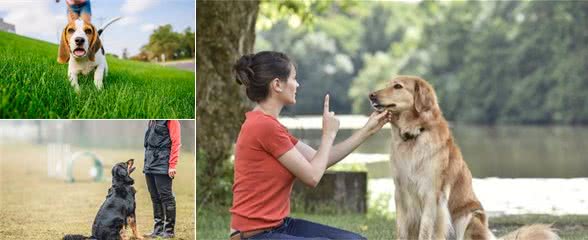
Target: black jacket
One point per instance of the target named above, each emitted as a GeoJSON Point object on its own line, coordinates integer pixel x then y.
{"type": "Point", "coordinates": [157, 147]}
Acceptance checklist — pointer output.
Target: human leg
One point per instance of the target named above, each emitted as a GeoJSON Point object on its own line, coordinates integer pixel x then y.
{"type": "Point", "coordinates": [157, 207]}
{"type": "Point", "coordinates": [164, 187]}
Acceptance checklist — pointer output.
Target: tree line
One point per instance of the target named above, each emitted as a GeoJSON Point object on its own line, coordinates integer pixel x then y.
{"type": "Point", "coordinates": [494, 62]}
{"type": "Point", "coordinates": [165, 44]}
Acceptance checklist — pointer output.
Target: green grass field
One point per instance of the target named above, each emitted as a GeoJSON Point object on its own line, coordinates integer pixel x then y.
{"type": "Point", "coordinates": [213, 223]}
{"type": "Point", "coordinates": [35, 206]}
{"type": "Point", "coordinates": [34, 85]}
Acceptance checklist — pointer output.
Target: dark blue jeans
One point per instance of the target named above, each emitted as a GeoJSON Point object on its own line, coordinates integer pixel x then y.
{"type": "Point", "coordinates": [296, 229]}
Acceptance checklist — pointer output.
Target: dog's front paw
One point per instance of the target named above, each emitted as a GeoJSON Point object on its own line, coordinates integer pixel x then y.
{"type": "Point", "coordinates": [411, 133]}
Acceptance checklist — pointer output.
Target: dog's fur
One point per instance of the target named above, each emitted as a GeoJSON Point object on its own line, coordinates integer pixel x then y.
{"type": "Point", "coordinates": [84, 56]}
{"type": "Point", "coordinates": [434, 196]}
{"type": "Point", "coordinates": [118, 210]}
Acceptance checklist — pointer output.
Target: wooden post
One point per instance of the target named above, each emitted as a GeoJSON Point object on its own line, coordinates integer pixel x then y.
{"type": "Point", "coordinates": [337, 192]}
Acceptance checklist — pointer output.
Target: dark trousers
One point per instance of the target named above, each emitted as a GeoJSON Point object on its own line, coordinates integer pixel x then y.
{"type": "Point", "coordinates": [160, 189]}
{"type": "Point", "coordinates": [295, 229]}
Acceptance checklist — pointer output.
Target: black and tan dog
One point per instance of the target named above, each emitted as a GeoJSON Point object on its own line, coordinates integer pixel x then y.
{"type": "Point", "coordinates": [118, 210]}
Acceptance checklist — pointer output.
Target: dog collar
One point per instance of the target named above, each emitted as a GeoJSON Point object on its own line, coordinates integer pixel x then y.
{"type": "Point", "coordinates": [408, 136]}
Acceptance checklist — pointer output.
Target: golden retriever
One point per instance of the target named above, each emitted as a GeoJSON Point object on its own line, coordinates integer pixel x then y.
{"type": "Point", "coordinates": [434, 196]}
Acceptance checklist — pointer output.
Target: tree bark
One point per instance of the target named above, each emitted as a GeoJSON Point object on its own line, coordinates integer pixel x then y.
{"type": "Point", "coordinates": [225, 31]}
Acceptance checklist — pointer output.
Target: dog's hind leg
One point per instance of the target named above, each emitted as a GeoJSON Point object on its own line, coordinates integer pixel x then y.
{"type": "Point", "coordinates": [478, 228]}
{"type": "Point", "coordinates": [473, 226]}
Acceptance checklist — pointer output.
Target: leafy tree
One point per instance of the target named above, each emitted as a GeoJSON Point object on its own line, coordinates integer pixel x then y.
{"type": "Point", "coordinates": [163, 43]}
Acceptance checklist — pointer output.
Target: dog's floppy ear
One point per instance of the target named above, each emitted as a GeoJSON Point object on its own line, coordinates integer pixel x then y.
{"type": "Point", "coordinates": [424, 98]}
{"type": "Point", "coordinates": [95, 44]}
{"type": "Point", "coordinates": [63, 55]}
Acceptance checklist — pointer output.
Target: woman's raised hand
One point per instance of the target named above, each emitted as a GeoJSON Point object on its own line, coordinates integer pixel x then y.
{"type": "Point", "coordinates": [330, 123]}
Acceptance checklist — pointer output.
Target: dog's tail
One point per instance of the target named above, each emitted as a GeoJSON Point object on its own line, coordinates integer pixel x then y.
{"type": "Point", "coordinates": [532, 232]}
{"type": "Point", "coordinates": [107, 24]}
{"type": "Point", "coordinates": [75, 237]}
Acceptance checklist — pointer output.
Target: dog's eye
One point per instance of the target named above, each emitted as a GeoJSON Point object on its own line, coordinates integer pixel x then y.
{"type": "Point", "coordinates": [397, 86]}
{"type": "Point", "coordinates": [88, 31]}
{"type": "Point", "coordinates": [71, 30]}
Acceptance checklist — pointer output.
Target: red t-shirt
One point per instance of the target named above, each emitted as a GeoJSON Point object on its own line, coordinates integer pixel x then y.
{"type": "Point", "coordinates": [261, 192]}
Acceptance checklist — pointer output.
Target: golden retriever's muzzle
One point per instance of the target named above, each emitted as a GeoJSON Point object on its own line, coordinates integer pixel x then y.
{"type": "Point", "coordinates": [376, 103]}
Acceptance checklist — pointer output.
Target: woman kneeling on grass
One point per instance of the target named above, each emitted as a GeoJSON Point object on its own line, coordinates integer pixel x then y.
{"type": "Point", "coordinates": [268, 158]}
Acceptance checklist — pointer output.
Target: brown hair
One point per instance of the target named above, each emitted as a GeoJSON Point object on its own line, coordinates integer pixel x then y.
{"type": "Point", "coordinates": [256, 71]}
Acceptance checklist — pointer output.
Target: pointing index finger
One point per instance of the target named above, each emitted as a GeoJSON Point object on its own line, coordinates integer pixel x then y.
{"type": "Point", "coordinates": [326, 107]}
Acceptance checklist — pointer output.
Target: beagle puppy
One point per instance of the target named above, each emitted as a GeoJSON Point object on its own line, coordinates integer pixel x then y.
{"type": "Point", "coordinates": [81, 48]}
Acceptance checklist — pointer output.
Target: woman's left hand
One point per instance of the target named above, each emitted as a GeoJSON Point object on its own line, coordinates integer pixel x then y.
{"type": "Point", "coordinates": [376, 121]}
{"type": "Point", "coordinates": [171, 172]}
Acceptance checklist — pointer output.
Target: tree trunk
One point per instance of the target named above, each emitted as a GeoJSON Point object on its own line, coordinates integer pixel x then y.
{"type": "Point", "coordinates": [225, 31]}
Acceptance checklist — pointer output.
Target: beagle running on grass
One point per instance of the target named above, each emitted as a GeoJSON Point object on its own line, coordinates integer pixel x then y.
{"type": "Point", "coordinates": [81, 48]}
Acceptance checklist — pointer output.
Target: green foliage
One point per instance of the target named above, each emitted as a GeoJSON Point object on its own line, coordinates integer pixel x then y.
{"type": "Point", "coordinates": [214, 184]}
{"type": "Point", "coordinates": [296, 12]}
{"type": "Point", "coordinates": [377, 66]}
{"type": "Point", "coordinates": [490, 62]}
{"type": "Point", "coordinates": [34, 85]}
{"type": "Point", "coordinates": [508, 62]}
{"type": "Point", "coordinates": [174, 45]}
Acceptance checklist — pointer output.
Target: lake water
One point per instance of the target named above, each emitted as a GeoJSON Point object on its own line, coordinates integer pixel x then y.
{"type": "Point", "coordinates": [516, 169]}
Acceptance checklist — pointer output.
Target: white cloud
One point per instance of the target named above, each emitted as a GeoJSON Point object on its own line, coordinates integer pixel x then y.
{"type": "Point", "coordinates": [148, 27]}
{"type": "Point", "coordinates": [136, 6]}
{"type": "Point", "coordinates": [127, 20]}
{"type": "Point", "coordinates": [36, 21]}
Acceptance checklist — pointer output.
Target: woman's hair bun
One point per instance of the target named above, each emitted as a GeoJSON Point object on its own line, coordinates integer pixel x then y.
{"type": "Point", "coordinates": [244, 73]}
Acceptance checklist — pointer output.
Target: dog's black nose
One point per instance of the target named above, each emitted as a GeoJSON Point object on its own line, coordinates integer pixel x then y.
{"type": "Point", "coordinates": [373, 96]}
{"type": "Point", "coordinates": [79, 40]}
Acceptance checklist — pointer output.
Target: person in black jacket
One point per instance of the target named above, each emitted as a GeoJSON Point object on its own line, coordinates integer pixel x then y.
{"type": "Point", "coordinates": [162, 149]}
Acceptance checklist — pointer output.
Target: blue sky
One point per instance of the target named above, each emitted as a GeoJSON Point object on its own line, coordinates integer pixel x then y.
{"type": "Point", "coordinates": [45, 19]}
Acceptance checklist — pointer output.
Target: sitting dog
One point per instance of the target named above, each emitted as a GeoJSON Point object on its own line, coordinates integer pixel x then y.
{"type": "Point", "coordinates": [118, 209]}
{"type": "Point", "coordinates": [434, 196]}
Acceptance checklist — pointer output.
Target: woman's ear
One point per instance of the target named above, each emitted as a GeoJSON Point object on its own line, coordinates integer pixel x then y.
{"type": "Point", "coordinates": [277, 85]}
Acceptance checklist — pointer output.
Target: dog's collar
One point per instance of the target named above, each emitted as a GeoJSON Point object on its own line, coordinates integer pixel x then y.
{"type": "Point", "coordinates": [408, 136]}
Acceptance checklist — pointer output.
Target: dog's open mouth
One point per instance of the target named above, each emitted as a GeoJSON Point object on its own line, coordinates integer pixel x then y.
{"type": "Point", "coordinates": [379, 107]}
{"type": "Point", "coordinates": [130, 167]}
{"type": "Point", "coordinates": [79, 52]}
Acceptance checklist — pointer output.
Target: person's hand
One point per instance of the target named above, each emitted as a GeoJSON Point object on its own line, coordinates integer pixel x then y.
{"type": "Point", "coordinates": [330, 123]}
{"type": "Point", "coordinates": [376, 121]}
{"type": "Point", "coordinates": [171, 172]}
